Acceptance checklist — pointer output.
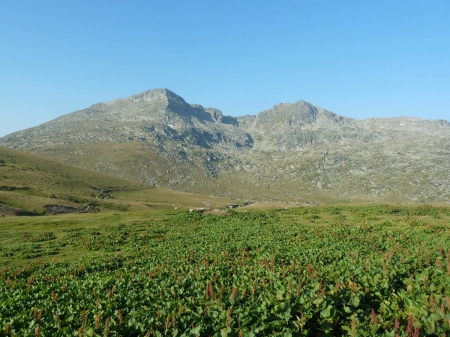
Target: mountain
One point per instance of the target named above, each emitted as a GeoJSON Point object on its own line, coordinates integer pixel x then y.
{"type": "Point", "coordinates": [291, 126]}
{"type": "Point", "coordinates": [154, 116]}
{"type": "Point", "coordinates": [292, 152]}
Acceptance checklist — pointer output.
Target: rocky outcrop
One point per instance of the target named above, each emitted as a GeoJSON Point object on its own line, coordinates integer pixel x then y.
{"type": "Point", "coordinates": [7, 211]}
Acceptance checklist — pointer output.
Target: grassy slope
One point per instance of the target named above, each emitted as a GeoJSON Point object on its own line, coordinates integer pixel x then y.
{"type": "Point", "coordinates": [30, 182]}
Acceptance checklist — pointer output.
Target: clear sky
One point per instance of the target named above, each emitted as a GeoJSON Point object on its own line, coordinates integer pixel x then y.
{"type": "Point", "coordinates": [356, 58]}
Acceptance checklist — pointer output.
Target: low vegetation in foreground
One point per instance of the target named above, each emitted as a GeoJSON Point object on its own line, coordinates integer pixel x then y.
{"type": "Point", "coordinates": [312, 271]}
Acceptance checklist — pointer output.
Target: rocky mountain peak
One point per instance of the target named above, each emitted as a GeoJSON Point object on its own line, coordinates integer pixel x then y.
{"type": "Point", "coordinates": [299, 112]}
{"type": "Point", "coordinates": [156, 94]}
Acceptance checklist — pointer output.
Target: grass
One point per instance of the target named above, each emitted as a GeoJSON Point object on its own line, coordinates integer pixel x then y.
{"type": "Point", "coordinates": [13, 230]}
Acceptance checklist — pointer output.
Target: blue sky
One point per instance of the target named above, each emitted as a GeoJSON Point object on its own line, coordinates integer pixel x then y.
{"type": "Point", "coordinates": [356, 58]}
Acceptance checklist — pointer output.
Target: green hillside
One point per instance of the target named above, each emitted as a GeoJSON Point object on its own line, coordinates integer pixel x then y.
{"type": "Point", "coordinates": [31, 184]}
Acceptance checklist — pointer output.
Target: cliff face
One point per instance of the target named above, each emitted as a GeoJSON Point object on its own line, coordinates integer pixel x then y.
{"type": "Point", "coordinates": [289, 152]}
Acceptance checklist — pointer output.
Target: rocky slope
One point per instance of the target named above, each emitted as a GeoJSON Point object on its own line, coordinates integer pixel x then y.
{"type": "Point", "coordinates": [291, 152]}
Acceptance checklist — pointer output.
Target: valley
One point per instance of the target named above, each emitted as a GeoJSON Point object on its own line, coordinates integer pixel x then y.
{"type": "Point", "coordinates": [150, 216]}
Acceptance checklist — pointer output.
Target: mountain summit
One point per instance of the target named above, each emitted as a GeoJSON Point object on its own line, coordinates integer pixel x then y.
{"type": "Point", "coordinates": [290, 152]}
{"type": "Point", "coordinates": [154, 116]}
{"type": "Point", "coordinates": [156, 94]}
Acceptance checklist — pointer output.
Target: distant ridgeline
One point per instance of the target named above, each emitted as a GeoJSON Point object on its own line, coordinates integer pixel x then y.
{"type": "Point", "coordinates": [291, 152]}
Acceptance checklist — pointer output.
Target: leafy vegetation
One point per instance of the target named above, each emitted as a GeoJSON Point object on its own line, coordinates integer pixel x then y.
{"type": "Point", "coordinates": [311, 271]}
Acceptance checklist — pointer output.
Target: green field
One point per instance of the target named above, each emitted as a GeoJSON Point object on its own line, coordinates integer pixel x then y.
{"type": "Point", "coordinates": [308, 271]}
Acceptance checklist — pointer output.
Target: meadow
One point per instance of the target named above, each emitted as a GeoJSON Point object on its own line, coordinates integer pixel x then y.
{"type": "Point", "coordinates": [373, 270]}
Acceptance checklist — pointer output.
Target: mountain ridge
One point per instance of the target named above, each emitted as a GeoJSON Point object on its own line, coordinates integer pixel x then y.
{"type": "Point", "coordinates": [292, 151]}
{"type": "Point", "coordinates": [307, 113]}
